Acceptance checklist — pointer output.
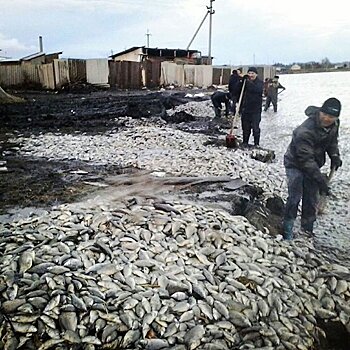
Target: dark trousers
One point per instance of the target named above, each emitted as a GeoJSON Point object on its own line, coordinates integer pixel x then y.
{"type": "Point", "coordinates": [217, 111]}
{"type": "Point", "coordinates": [251, 121]}
{"type": "Point", "coordinates": [233, 104]}
{"type": "Point", "coordinates": [301, 186]}
{"type": "Point", "coordinates": [268, 101]}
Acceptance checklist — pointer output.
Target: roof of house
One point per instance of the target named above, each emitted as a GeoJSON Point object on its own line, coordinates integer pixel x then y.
{"type": "Point", "coordinates": [32, 56]}
{"type": "Point", "coordinates": [9, 60]}
{"type": "Point", "coordinates": [156, 51]}
{"type": "Point", "coordinates": [39, 54]}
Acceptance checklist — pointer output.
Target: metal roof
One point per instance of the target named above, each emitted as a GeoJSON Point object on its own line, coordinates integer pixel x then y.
{"type": "Point", "coordinates": [39, 54]}
{"type": "Point", "coordinates": [32, 56]}
{"type": "Point", "coordinates": [156, 51]}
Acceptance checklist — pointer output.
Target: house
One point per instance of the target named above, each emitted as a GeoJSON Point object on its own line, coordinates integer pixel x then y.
{"type": "Point", "coordinates": [35, 58]}
{"type": "Point", "coordinates": [142, 53]}
{"type": "Point", "coordinates": [295, 67]}
{"type": "Point", "coordinates": [40, 58]}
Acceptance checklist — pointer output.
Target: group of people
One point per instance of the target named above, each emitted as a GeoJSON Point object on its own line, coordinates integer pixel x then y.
{"type": "Point", "coordinates": [306, 153]}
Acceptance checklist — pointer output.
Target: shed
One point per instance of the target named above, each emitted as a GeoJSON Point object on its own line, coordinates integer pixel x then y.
{"type": "Point", "coordinates": [142, 53]}
{"type": "Point", "coordinates": [40, 58]}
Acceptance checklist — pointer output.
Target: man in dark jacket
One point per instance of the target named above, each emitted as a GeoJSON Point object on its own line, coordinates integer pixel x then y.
{"type": "Point", "coordinates": [218, 98]}
{"type": "Point", "coordinates": [251, 106]}
{"type": "Point", "coordinates": [305, 155]}
{"type": "Point", "coordinates": [233, 85]}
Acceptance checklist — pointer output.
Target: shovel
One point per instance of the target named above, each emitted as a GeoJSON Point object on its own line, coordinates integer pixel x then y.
{"type": "Point", "coordinates": [321, 206]}
{"type": "Point", "coordinates": [231, 140]}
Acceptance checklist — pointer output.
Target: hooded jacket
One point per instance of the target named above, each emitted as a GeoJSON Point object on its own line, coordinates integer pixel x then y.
{"type": "Point", "coordinates": [310, 143]}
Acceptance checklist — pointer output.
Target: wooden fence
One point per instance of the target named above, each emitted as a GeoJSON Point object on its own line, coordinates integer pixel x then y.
{"type": "Point", "coordinates": [125, 75]}
{"type": "Point", "coordinates": [17, 75]}
{"type": "Point", "coordinates": [121, 74]}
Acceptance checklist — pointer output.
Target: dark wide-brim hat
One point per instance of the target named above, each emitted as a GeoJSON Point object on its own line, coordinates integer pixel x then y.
{"type": "Point", "coordinates": [332, 107]}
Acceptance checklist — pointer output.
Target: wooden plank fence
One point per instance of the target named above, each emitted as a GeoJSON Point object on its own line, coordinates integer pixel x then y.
{"type": "Point", "coordinates": [125, 75]}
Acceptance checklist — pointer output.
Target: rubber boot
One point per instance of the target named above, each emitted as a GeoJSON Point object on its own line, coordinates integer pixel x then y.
{"type": "Point", "coordinates": [257, 141]}
{"type": "Point", "coordinates": [308, 228]}
{"type": "Point", "coordinates": [288, 229]}
{"type": "Point", "coordinates": [217, 112]}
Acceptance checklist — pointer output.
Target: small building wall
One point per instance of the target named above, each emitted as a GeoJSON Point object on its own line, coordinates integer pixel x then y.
{"type": "Point", "coordinates": [36, 60]}
{"type": "Point", "coordinates": [133, 56]}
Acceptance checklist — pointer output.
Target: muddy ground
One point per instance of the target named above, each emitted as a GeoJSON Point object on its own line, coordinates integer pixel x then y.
{"type": "Point", "coordinates": [40, 183]}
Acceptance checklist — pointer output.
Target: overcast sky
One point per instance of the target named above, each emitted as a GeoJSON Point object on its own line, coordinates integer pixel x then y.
{"type": "Point", "coordinates": [244, 31]}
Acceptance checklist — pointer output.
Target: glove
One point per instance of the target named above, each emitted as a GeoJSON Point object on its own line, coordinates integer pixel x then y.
{"type": "Point", "coordinates": [324, 189]}
{"type": "Point", "coordinates": [336, 162]}
{"type": "Point", "coordinates": [245, 77]}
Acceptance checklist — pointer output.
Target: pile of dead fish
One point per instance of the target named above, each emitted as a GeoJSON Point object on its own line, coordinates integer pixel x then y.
{"type": "Point", "coordinates": [159, 149]}
{"type": "Point", "coordinates": [142, 274]}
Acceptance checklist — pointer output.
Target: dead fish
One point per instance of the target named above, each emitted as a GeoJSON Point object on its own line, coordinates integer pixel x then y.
{"type": "Point", "coordinates": [68, 320]}
{"type": "Point", "coordinates": [71, 337]}
{"type": "Point", "coordinates": [10, 306]}
{"type": "Point", "coordinates": [23, 327]}
{"type": "Point", "coordinates": [194, 336]}
{"type": "Point", "coordinates": [103, 268]}
{"type": "Point", "coordinates": [25, 261]}
{"type": "Point", "coordinates": [50, 343]}
{"type": "Point", "coordinates": [130, 338]}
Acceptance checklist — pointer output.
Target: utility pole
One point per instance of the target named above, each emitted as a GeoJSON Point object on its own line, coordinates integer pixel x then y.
{"type": "Point", "coordinates": [211, 12]}
{"type": "Point", "coordinates": [148, 35]}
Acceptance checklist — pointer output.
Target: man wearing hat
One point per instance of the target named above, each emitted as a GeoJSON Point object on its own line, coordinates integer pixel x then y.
{"type": "Point", "coordinates": [305, 155]}
{"type": "Point", "coordinates": [251, 106]}
{"type": "Point", "coordinates": [272, 93]}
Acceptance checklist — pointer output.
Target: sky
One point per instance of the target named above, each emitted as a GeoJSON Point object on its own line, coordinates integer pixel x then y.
{"type": "Point", "coordinates": [244, 32]}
